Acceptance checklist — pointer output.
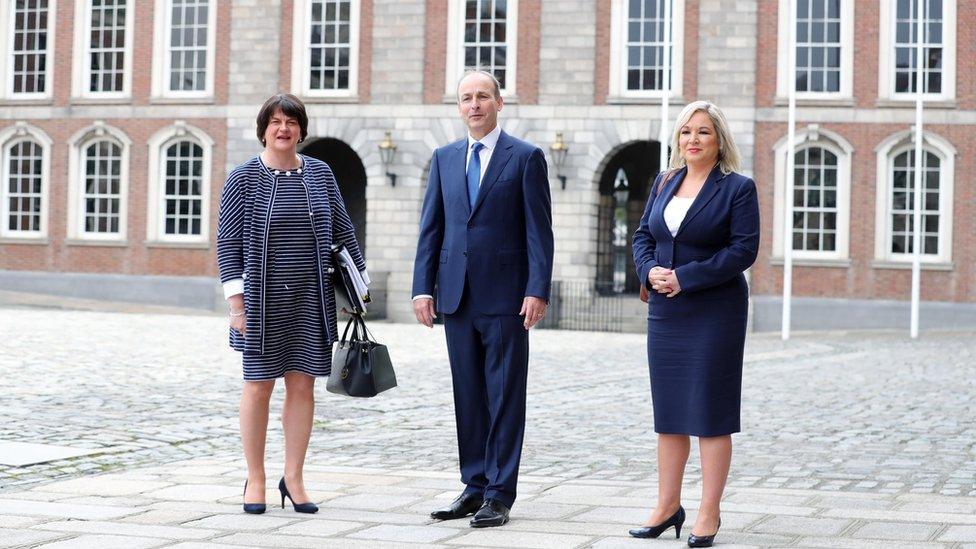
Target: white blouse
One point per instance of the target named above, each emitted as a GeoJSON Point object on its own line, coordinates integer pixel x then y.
{"type": "Point", "coordinates": [675, 212]}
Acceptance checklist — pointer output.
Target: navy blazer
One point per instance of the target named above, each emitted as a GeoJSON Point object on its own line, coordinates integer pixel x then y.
{"type": "Point", "coordinates": [717, 240]}
{"type": "Point", "coordinates": [503, 246]}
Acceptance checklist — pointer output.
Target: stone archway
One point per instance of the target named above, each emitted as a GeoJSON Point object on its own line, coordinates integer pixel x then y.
{"type": "Point", "coordinates": [350, 174]}
{"type": "Point", "coordinates": [625, 180]}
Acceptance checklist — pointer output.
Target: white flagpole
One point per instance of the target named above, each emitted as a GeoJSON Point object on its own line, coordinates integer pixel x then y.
{"type": "Point", "coordinates": [790, 162]}
{"type": "Point", "coordinates": [917, 212]}
{"type": "Point", "coordinates": [664, 134]}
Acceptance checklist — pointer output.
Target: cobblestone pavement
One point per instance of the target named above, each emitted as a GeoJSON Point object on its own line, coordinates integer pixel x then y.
{"type": "Point", "coordinates": [849, 440]}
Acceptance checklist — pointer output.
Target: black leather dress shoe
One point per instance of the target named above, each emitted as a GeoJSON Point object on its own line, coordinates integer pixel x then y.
{"type": "Point", "coordinates": [491, 513]}
{"type": "Point", "coordinates": [464, 505]}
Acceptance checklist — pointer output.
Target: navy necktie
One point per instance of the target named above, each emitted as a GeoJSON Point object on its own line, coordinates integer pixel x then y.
{"type": "Point", "coordinates": [474, 172]}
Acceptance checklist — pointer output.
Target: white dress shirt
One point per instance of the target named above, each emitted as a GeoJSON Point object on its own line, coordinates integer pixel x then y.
{"type": "Point", "coordinates": [675, 212]}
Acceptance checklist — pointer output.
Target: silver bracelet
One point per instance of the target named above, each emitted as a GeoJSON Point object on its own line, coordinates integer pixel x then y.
{"type": "Point", "coordinates": [232, 313]}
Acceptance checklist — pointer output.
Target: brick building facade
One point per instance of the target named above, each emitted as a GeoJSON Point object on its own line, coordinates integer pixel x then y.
{"type": "Point", "coordinates": [120, 119]}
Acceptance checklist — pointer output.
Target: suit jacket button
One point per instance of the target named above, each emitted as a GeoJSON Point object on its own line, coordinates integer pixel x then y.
{"type": "Point", "coordinates": [465, 254]}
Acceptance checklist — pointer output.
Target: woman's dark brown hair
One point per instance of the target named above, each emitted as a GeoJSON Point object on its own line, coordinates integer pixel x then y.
{"type": "Point", "coordinates": [290, 105]}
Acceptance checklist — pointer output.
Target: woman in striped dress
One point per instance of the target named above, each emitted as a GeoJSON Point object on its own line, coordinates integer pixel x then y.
{"type": "Point", "coordinates": [279, 214]}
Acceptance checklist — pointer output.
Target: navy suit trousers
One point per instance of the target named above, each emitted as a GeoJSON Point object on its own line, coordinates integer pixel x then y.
{"type": "Point", "coordinates": [489, 366]}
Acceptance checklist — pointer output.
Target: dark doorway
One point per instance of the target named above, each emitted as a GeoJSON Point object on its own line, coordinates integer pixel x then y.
{"type": "Point", "coordinates": [351, 176]}
{"type": "Point", "coordinates": [625, 182]}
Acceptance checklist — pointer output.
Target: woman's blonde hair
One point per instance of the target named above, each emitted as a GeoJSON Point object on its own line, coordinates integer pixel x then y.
{"type": "Point", "coordinates": [728, 154]}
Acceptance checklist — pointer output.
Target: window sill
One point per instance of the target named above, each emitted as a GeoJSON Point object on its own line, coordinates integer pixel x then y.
{"type": "Point", "coordinates": [339, 99]}
{"type": "Point", "coordinates": [909, 103]}
{"type": "Point", "coordinates": [182, 100]}
{"type": "Point", "coordinates": [178, 245]}
{"type": "Point", "coordinates": [816, 102]}
{"type": "Point", "coordinates": [656, 100]}
{"type": "Point", "coordinates": [98, 243]}
{"type": "Point", "coordinates": [811, 262]}
{"type": "Point", "coordinates": [26, 102]}
{"type": "Point", "coordinates": [30, 241]}
{"type": "Point", "coordinates": [101, 100]}
{"type": "Point", "coordinates": [926, 265]}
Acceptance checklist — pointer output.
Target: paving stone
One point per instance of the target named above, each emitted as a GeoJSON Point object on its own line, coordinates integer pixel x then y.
{"type": "Point", "coordinates": [195, 492]}
{"type": "Point", "coordinates": [319, 527]}
{"type": "Point", "coordinates": [100, 486]}
{"type": "Point", "coordinates": [370, 502]}
{"type": "Point", "coordinates": [163, 516]}
{"type": "Point", "coordinates": [16, 537]}
{"type": "Point", "coordinates": [617, 515]}
{"type": "Point", "coordinates": [497, 537]}
{"type": "Point", "coordinates": [845, 543]}
{"type": "Point", "coordinates": [239, 522]}
{"type": "Point", "coordinates": [14, 521]}
{"type": "Point", "coordinates": [63, 510]}
{"type": "Point", "coordinates": [801, 526]}
{"type": "Point", "coordinates": [126, 529]}
{"type": "Point", "coordinates": [107, 542]}
{"type": "Point", "coordinates": [959, 533]}
{"type": "Point", "coordinates": [303, 542]}
{"type": "Point", "coordinates": [410, 534]}
{"type": "Point", "coordinates": [901, 531]}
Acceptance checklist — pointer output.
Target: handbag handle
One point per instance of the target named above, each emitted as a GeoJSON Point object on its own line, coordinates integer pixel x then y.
{"type": "Point", "coordinates": [355, 329]}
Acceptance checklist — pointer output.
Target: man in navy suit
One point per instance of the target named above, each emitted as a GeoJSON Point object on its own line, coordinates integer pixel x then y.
{"type": "Point", "coordinates": [485, 251]}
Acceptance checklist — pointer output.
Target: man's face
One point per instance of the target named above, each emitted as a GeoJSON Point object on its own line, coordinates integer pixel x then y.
{"type": "Point", "coordinates": [478, 105]}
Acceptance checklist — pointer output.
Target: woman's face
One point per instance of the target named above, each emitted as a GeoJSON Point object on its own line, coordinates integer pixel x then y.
{"type": "Point", "coordinates": [282, 133]}
{"type": "Point", "coordinates": [698, 140]}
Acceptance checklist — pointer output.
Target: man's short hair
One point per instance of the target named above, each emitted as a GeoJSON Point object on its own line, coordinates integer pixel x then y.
{"type": "Point", "coordinates": [290, 105]}
{"type": "Point", "coordinates": [497, 87]}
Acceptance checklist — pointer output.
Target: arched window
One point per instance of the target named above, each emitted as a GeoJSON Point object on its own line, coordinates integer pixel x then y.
{"type": "Point", "coordinates": [819, 227]}
{"type": "Point", "coordinates": [178, 200]}
{"type": "Point", "coordinates": [24, 156]}
{"type": "Point", "coordinates": [98, 184]}
{"type": "Point", "coordinates": [895, 218]}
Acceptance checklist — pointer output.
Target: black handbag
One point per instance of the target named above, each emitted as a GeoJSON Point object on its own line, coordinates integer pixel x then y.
{"type": "Point", "coordinates": [361, 367]}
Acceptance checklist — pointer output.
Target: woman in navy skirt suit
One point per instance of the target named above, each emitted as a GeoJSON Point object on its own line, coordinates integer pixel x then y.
{"type": "Point", "coordinates": [699, 232]}
{"type": "Point", "coordinates": [279, 214]}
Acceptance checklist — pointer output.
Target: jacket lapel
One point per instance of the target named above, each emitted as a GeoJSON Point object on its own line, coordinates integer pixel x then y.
{"type": "Point", "coordinates": [458, 172]}
{"type": "Point", "coordinates": [499, 158]}
{"type": "Point", "coordinates": [705, 195]}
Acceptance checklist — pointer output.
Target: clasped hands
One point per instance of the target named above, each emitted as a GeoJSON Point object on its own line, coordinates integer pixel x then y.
{"type": "Point", "coordinates": [664, 281]}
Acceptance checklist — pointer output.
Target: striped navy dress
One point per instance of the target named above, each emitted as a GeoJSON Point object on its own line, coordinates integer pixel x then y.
{"type": "Point", "coordinates": [274, 232]}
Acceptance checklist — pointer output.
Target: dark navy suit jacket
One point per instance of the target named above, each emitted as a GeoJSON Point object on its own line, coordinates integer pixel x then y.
{"type": "Point", "coordinates": [503, 246]}
{"type": "Point", "coordinates": [716, 242]}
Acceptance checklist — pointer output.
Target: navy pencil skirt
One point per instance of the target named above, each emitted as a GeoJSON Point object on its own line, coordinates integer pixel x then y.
{"type": "Point", "coordinates": [695, 344]}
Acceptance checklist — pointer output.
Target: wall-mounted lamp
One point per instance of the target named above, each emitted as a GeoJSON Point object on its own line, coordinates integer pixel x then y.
{"type": "Point", "coordinates": [387, 153]}
{"type": "Point", "coordinates": [559, 151]}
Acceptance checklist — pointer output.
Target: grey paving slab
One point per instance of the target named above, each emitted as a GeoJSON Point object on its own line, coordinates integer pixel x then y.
{"type": "Point", "coordinates": [63, 510]}
{"type": "Point", "coordinates": [16, 537]}
{"type": "Point", "coordinates": [959, 533]}
{"type": "Point", "coordinates": [239, 522]}
{"type": "Point", "coordinates": [410, 534]}
{"type": "Point", "coordinates": [163, 516]}
{"type": "Point", "coordinates": [19, 454]}
{"type": "Point", "coordinates": [306, 542]}
{"type": "Point", "coordinates": [498, 537]}
{"type": "Point", "coordinates": [106, 542]}
{"type": "Point", "coordinates": [900, 531]}
{"type": "Point", "coordinates": [102, 486]}
{"type": "Point", "coordinates": [125, 529]}
{"type": "Point", "coordinates": [371, 502]}
{"type": "Point", "coordinates": [846, 543]}
{"type": "Point", "coordinates": [320, 527]}
{"type": "Point", "coordinates": [801, 526]}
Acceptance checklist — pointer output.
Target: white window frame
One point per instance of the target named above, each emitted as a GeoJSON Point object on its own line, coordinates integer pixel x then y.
{"type": "Point", "coordinates": [81, 64]}
{"type": "Point", "coordinates": [886, 54]}
{"type": "Point", "coordinates": [618, 52]}
{"type": "Point", "coordinates": [155, 196]}
{"type": "Point", "coordinates": [76, 181]}
{"type": "Point", "coordinates": [162, 41]}
{"type": "Point", "coordinates": [784, 80]}
{"type": "Point", "coordinates": [886, 153]}
{"type": "Point", "coordinates": [301, 56]}
{"type": "Point", "coordinates": [6, 60]}
{"type": "Point", "coordinates": [814, 136]}
{"type": "Point", "coordinates": [10, 136]}
{"type": "Point", "coordinates": [455, 48]}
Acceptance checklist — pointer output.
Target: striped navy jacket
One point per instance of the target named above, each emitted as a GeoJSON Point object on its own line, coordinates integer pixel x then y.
{"type": "Point", "coordinates": [242, 235]}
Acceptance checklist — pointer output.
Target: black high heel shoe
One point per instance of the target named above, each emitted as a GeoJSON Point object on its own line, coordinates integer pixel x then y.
{"type": "Point", "coordinates": [703, 541]}
{"type": "Point", "coordinates": [676, 520]}
{"type": "Point", "coordinates": [299, 507]}
{"type": "Point", "coordinates": [253, 508]}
